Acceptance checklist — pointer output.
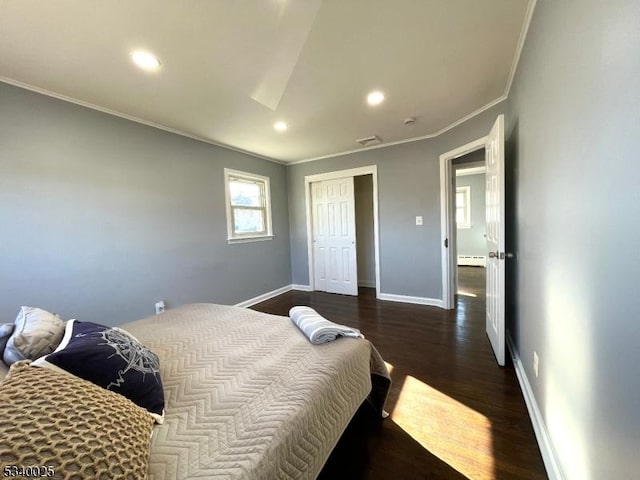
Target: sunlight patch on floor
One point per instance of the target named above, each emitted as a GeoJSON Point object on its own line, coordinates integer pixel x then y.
{"type": "Point", "coordinates": [466, 294]}
{"type": "Point", "coordinates": [389, 367]}
{"type": "Point", "coordinates": [429, 415]}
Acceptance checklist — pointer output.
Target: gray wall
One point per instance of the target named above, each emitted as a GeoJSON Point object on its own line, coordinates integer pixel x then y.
{"type": "Point", "coordinates": [574, 140]}
{"type": "Point", "coordinates": [472, 241]}
{"type": "Point", "coordinates": [365, 243]}
{"type": "Point", "coordinates": [408, 185]}
{"type": "Point", "coordinates": [101, 217]}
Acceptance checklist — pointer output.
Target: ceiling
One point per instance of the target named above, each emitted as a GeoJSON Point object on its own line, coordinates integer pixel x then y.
{"type": "Point", "coordinates": [230, 69]}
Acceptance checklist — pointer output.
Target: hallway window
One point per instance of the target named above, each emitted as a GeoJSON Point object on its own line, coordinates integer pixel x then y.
{"type": "Point", "coordinates": [463, 207]}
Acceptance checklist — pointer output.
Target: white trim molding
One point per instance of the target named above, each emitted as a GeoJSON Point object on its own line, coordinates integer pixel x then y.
{"type": "Point", "coordinates": [461, 172]}
{"type": "Point", "coordinates": [549, 456]}
{"type": "Point", "coordinates": [512, 72]}
{"type": "Point", "coordinates": [302, 288]}
{"type": "Point", "coordinates": [472, 260]}
{"type": "Point", "coordinates": [264, 296]}
{"type": "Point", "coordinates": [264, 184]}
{"type": "Point", "coordinates": [115, 113]}
{"type": "Point", "coordinates": [352, 172]}
{"type": "Point", "coordinates": [407, 140]}
{"type": "Point", "coordinates": [391, 297]}
{"type": "Point", "coordinates": [523, 36]}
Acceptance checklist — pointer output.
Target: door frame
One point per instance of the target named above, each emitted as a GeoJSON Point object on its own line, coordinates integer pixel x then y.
{"type": "Point", "coordinates": [447, 222]}
{"type": "Point", "coordinates": [351, 172]}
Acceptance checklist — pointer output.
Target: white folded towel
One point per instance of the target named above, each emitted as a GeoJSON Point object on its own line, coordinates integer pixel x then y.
{"type": "Point", "coordinates": [317, 328]}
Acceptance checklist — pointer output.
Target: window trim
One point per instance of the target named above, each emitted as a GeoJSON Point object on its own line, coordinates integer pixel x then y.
{"type": "Point", "coordinates": [232, 237]}
{"type": "Point", "coordinates": [466, 191]}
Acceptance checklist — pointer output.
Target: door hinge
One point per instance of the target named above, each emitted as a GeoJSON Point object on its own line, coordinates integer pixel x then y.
{"type": "Point", "coordinates": [446, 243]}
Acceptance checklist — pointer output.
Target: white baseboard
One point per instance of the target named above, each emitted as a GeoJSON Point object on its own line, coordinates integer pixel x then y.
{"type": "Point", "coordinates": [264, 296]}
{"type": "Point", "coordinates": [367, 283]}
{"type": "Point", "coordinates": [542, 435]}
{"type": "Point", "coordinates": [432, 302]}
{"type": "Point", "coordinates": [472, 260]}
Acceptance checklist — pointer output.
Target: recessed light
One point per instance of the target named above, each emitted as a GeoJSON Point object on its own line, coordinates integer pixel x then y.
{"type": "Point", "coordinates": [375, 98]}
{"type": "Point", "coordinates": [145, 60]}
{"type": "Point", "coordinates": [280, 126]}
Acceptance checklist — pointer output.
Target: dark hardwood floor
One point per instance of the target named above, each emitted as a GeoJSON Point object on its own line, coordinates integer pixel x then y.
{"type": "Point", "coordinates": [455, 413]}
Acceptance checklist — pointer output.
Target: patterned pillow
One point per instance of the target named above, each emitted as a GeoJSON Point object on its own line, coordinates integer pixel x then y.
{"type": "Point", "coordinates": [36, 333]}
{"type": "Point", "coordinates": [112, 359]}
{"type": "Point", "coordinates": [56, 425]}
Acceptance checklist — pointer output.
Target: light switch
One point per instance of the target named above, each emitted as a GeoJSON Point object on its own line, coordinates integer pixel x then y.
{"type": "Point", "coordinates": [419, 220]}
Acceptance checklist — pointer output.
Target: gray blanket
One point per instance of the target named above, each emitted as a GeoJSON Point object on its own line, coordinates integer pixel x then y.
{"type": "Point", "coordinates": [247, 395]}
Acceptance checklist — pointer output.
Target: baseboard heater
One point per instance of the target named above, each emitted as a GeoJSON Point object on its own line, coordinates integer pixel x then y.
{"type": "Point", "coordinates": [472, 260]}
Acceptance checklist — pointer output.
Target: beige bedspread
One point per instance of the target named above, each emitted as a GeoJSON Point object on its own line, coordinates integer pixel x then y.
{"type": "Point", "coordinates": [247, 395]}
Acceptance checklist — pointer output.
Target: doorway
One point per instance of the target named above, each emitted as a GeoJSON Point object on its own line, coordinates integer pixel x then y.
{"type": "Point", "coordinates": [470, 244]}
{"type": "Point", "coordinates": [367, 271]}
{"type": "Point", "coordinates": [365, 244]}
{"type": "Point", "coordinates": [496, 256]}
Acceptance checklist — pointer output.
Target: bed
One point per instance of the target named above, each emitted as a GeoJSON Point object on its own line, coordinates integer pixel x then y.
{"type": "Point", "coordinates": [248, 397]}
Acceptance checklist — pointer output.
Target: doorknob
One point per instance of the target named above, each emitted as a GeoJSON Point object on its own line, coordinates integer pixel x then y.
{"type": "Point", "coordinates": [500, 255]}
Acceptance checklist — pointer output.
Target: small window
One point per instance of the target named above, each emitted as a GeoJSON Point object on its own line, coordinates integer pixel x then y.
{"type": "Point", "coordinates": [248, 206]}
{"type": "Point", "coordinates": [463, 207]}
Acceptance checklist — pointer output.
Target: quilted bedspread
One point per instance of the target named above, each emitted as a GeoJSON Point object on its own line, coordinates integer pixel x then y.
{"type": "Point", "coordinates": [247, 395]}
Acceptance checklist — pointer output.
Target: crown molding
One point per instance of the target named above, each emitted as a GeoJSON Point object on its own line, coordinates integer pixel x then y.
{"type": "Point", "coordinates": [407, 140]}
{"type": "Point", "coordinates": [514, 66]}
{"type": "Point", "coordinates": [92, 106]}
{"type": "Point", "coordinates": [523, 37]}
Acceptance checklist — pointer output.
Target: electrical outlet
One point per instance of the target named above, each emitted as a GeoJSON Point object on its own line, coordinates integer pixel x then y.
{"type": "Point", "coordinates": [419, 220]}
{"type": "Point", "coordinates": [535, 363]}
{"type": "Point", "coordinates": [160, 307]}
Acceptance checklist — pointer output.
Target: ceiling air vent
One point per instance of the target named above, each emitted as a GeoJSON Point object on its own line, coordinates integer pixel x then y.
{"type": "Point", "coordinates": [368, 141]}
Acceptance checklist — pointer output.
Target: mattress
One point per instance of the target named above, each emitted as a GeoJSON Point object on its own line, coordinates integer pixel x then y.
{"type": "Point", "coordinates": [247, 396]}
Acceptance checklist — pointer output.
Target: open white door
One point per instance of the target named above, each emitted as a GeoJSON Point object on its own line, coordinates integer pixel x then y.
{"type": "Point", "coordinates": [495, 238]}
{"type": "Point", "coordinates": [334, 236]}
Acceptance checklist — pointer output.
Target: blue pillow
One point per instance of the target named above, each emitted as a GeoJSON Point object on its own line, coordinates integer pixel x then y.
{"type": "Point", "coordinates": [112, 359]}
{"type": "Point", "coordinates": [5, 332]}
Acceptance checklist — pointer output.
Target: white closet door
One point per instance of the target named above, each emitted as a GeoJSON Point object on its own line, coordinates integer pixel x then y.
{"type": "Point", "coordinates": [334, 236]}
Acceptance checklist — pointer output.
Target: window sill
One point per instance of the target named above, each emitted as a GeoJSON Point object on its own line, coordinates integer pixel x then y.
{"type": "Point", "coordinates": [261, 238]}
